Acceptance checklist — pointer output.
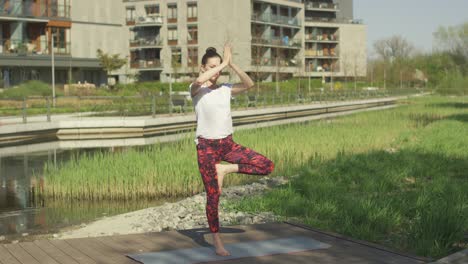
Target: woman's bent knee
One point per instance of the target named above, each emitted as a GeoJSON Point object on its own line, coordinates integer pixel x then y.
{"type": "Point", "coordinates": [270, 166]}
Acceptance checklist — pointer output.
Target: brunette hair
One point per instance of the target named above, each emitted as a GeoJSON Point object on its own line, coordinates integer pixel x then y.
{"type": "Point", "coordinates": [210, 53]}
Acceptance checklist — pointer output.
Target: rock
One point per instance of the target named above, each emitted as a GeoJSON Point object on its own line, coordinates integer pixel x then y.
{"type": "Point", "coordinates": [185, 214]}
{"type": "Point", "coordinates": [15, 241]}
{"type": "Point", "coordinates": [25, 234]}
{"type": "Point", "coordinates": [2, 238]}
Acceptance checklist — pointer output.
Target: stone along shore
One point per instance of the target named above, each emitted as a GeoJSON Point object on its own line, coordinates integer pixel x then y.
{"type": "Point", "coordinates": [188, 213]}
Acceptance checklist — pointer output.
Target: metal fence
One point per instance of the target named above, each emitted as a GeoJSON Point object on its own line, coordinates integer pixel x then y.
{"type": "Point", "coordinates": [40, 109]}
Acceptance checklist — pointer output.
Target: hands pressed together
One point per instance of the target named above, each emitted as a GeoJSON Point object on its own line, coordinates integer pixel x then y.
{"type": "Point", "coordinates": [227, 54]}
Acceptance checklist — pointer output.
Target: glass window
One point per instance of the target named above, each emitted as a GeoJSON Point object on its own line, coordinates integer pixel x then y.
{"type": "Point", "coordinates": [172, 11]}
{"type": "Point", "coordinates": [152, 9]}
{"type": "Point", "coordinates": [192, 33]}
{"type": "Point", "coordinates": [176, 56]}
{"type": "Point", "coordinates": [130, 13]}
{"type": "Point", "coordinates": [172, 33]}
{"type": "Point", "coordinates": [192, 56]}
{"type": "Point", "coordinates": [192, 11]}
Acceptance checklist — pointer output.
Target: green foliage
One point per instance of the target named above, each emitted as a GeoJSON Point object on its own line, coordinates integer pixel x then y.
{"type": "Point", "coordinates": [110, 62]}
{"type": "Point", "coordinates": [30, 88]}
{"type": "Point", "coordinates": [453, 83]}
{"type": "Point", "coordinates": [417, 206]}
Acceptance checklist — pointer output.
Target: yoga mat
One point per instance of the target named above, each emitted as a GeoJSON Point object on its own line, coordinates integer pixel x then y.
{"type": "Point", "coordinates": [237, 250]}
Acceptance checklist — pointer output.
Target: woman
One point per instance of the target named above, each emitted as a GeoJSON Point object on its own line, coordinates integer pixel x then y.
{"type": "Point", "coordinates": [212, 104]}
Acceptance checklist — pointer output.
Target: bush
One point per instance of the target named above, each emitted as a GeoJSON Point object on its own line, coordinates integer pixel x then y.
{"type": "Point", "coordinates": [454, 84]}
{"type": "Point", "coordinates": [30, 88]}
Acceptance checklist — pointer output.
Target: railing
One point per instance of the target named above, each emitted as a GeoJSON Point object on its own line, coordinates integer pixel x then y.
{"type": "Point", "coordinates": [321, 53]}
{"type": "Point", "coordinates": [23, 47]}
{"type": "Point", "coordinates": [149, 20]}
{"type": "Point", "coordinates": [40, 109]}
{"type": "Point", "coordinates": [276, 19]}
{"type": "Point", "coordinates": [17, 8]}
{"type": "Point", "coordinates": [333, 20]}
{"type": "Point", "coordinates": [315, 5]}
{"type": "Point", "coordinates": [145, 64]}
{"type": "Point", "coordinates": [142, 42]}
{"type": "Point", "coordinates": [277, 41]}
{"type": "Point", "coordinates": [322, 37]}
{"type": "Point", "coordinates": [322, 68]}
{"type": "Point", "coordinates": [265, 61]}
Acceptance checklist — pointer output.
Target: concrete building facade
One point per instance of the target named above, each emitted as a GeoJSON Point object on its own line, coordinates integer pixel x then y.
{"type": "Point", "coordinates": [271, 38]}
{"type": "Point", "coordinates": [74, 28]}
{"type": "Point", "coordinates": [166, 39]}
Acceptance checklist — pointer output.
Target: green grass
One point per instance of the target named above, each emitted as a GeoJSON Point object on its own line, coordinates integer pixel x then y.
{"type": "Point", "coordinates": [410, 194]}
{"type": "Point", "coordinates": [396, 177]}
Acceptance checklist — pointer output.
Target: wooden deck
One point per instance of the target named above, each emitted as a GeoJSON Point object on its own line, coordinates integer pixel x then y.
{"type": "Point", "coordinates": [113, 249]}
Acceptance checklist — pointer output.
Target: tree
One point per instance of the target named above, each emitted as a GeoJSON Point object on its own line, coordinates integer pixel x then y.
{"type": "Point", "coordinates": [394, 52]}
{"type": "Point", "coordinates": [393, 48]}
{"type": "Point", "coordinates": [110, 62]}
{"type": "Point", "coordinates": [454, 41]}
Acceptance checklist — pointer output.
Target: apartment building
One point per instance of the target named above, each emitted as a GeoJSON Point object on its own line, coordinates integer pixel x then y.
{"type": "Point", "coordinates": [73, 30]}
{"type": "Point", "coordinates": [271, 38]}
{"type": "Point", "coordinates": [166, 39]}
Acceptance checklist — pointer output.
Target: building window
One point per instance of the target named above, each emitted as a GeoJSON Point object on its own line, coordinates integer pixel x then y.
{"type": "Point", "coordinates": [60, 40]}
{"type": "Point", "coordinates": [152, 10]}
{"type": "Point", "coordinates": [130, 14]}
{"type": "Point", "coordinates": [172, 35]}
{"type": "Point", "coordinates": [171, 13]}
{"type": "Point", "coordinates": [192, 37]}
{"type": "Point", "coordinates": [192, 11]}
{"type": "Point", "coordinates": [192, 57]}
{"type": "Point", "coordinates": [176, 57]}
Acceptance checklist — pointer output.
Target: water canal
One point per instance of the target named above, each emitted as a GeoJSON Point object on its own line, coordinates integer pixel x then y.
{"type": "Point", "coordinates": [23, 216]}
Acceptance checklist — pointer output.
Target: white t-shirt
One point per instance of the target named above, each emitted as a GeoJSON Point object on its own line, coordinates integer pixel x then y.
{"type": "Point", "coordinates": [213, 111]}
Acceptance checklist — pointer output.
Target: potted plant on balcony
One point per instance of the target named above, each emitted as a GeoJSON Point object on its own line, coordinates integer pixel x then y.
{"type": "Point", "coordinates": [22, 49]}
{"type": "Point", "coordinates": [110, 62]}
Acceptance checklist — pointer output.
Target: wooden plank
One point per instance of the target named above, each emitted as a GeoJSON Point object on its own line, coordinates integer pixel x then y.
{"type": "Point", "coordinates": [54, 252]}
{"type": "Point", "coordinates": [6, 257]}
{"type": "Point", "coordinates": [148, 244]}
{"type": "Point", "coordinates": [97, 251]}
{"type": "Point", "coordinates": [123, 244]}
{"type": "Point", "coordinates": [37, 253]}
{"type": "Point", "coordinates": [77, 255]}
{"type": "Point", "coordinates": [20, 254]}
{"type": "Point", "coordinates": [123, 247]}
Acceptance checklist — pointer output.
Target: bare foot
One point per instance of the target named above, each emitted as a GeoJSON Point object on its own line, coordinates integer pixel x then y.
{"type": "Point", "coordinates": [224, 169]}
{"type": "Point", "coordinates": [221, 172]}
{"type": "Point", "coordinates": [220, 250]}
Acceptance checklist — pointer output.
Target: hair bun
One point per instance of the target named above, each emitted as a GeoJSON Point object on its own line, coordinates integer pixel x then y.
{"type": "Point", "coordinates": [211, 50]}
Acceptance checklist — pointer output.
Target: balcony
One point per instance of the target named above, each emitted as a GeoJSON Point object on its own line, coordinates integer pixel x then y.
{"type": "Point", "coordinates": [277, 42]}
{"type": "Point", "coordinates": [322, 19]}
{"type": "Point", "coordinates": [322, 67]}
{"type": "Point", "coordinates": [146, 64]}
{"type": "Point", "coordinates": [17, 8]}
{"type": "Point", "coordinates": [328, 7]}
{"type": "Point", "coordinates": [24, 47]}
{"type": "Point", "coordinates": [276, 19]}
{"type": "Point", "coordinates": [146, 43]}
{"type": "Point", "coordinates": [323, 53]}
{"type": "Point", "coordinates": [272, 62]}
{"type": "Point", "coordinates": [324, 38]}
{"type": "Point", "coordinates": [146, 21]}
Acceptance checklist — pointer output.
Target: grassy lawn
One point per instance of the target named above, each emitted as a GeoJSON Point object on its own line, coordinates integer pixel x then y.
{"type": "Point", "coordinates": [409, 193]}
{"type": "Point", "coordinates": [396, 177]}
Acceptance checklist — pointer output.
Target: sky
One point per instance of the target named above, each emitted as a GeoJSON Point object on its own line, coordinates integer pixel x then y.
{"type": "Point", "coordinates": [415, 20]}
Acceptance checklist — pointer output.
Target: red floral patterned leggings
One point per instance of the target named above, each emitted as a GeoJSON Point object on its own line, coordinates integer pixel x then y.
{"type": "Point", "coordinates": [211, 152]}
